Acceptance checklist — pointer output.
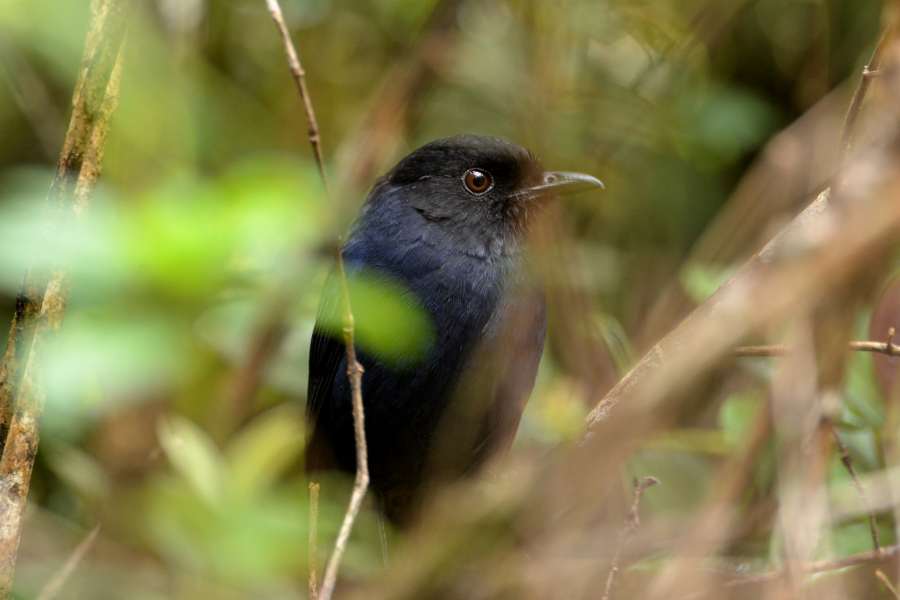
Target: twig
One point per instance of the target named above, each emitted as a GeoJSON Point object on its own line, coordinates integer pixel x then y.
{"type": "Point", "coordinates": [55, 585]}
{"type": "Point", "coordinates": [299, 76]}
{"type": "Point", "coordinates": [888, 348]}
{"type": "Point", "coordinates": [41, 304]}
{"type": "Point", "coordinates": [270, 332]}
{"type": "Point", "coordinates": [313, 540]}
{"type": "Point", "coordinates": [361, 482]}
{"type": "Point", "coordinates": [354, 368]}
{"type": "Point", "coordinates": [887, 583]}
{"type": "Point", "coordinates": [632, 522]}
{"type": "Point", "coordinates": [821, 566]}
{"type": "Point", "coordinates": [848, 464]}
{"type": "Point", "coordinates": [869, 71]}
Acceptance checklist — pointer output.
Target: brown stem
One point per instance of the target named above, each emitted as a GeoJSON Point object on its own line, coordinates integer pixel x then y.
{"type": "Point", "coordinates": [55, 585]}
{"type": "Point", "coordinates": [862, 87]}
{"type": "Point", "coordinates": [361, 482]}
{"type": "Point", "coordinates": [822, 566]}
{"type": "Point", "coordinates": [313, 540]}
{"type": "Point", "coordinates": [298, 73]}
{"type": "Point", "coordinates": [632, 522]}
{"type": "Point", "coordinates": [41, 304]}
{"type": "Point", "coordinates": [354, 369]}
{"type": "Point", "coordinates": [886, 348]}
{"type": "Point", "coordinates": [848, 464]}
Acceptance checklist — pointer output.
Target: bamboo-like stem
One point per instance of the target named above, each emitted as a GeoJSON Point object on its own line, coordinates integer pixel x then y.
{"type": "Point", "coordinates": [41, 304]}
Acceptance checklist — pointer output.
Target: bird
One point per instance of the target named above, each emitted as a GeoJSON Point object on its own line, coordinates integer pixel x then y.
{"type": "Point", "coordinates": [448, 226]}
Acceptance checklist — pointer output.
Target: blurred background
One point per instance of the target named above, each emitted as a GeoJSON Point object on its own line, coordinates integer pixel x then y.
{"type": "Point", "coordinates": [209, 203]}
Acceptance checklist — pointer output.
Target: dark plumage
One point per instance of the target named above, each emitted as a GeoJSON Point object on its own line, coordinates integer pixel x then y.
{"type": "Point", "coordinates": [447, 223]}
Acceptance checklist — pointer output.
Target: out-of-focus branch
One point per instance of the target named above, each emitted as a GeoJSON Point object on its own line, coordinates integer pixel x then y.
{"type": "Point", "coordinates": [354, 368]}
{"type": "Point", "coordinates": [887, 583]}
{"type": "Point", "coordinates": [848, 464]}
{"type": "Point", "coordinates": [632, 522]}
{"type": "Point", "coordinates": [40, 306]}
{"type": "Point", "coordinates": [313, 545]}
{"type": "Point", "coordinates": [862, 88]}
{"type": "Point", "coordinates": [55, 585]}
{"type": "Point", "coordinates": [822, 566]}
{"type": "Point", "coordinates": [887, 348]}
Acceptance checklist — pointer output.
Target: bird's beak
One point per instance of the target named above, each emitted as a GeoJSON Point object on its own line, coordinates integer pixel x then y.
{"type": "Point", "coordinates": [563, 182]}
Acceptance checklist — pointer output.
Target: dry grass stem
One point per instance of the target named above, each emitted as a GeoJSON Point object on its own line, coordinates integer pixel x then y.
{"type": "Point", "coordinates": [354, 368]}
{"type": "Point", "coordinates": [847, 461]}
{"type": "Point", "coordinates": [313, 540]}
{"type": "Point", "coordinates": [299, 76]}
{"type": "Point", "coordinates": [887, 583]}
{"type": "Point", "coordinates": [55, 585]}
{"type": "Point", "coordinates": [632, 522]}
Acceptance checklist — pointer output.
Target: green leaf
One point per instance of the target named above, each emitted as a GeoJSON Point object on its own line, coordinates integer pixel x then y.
{"type": "Point", "coordinates": [737, 415]}
{"type": "Point", "coordinates": [194, 456]}
{"type": "Point", "coordinates": [264, 449]}
{"type": "Point", "coordinates": [389, 321]}
{"type": "Point", "coordinates": [701, 281]}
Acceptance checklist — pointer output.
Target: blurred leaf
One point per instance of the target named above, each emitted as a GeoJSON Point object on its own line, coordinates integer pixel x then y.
{"type": "Point", "coordinates": [389, 321]}
{"type": "Point", "coordinates": [701, 281]}
{"type": "Point", "coordinates": [79, 470]}
{"type": "Point", "coordinates": [264, 449]}
{"type": "Point", "coordinates": [737, 415]}
{"type": "Point", "coordinates": [194, 456]}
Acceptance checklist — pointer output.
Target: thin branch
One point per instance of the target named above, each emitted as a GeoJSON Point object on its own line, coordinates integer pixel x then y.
{"type": "Point", "coordinates": [361, 483]}
{"type": "Point", "coordinates": [313, 540]}
{"type": "Point", "coordinates": [632, 522]}
{"type": "Point", "coordinates": [887, 583]}
{"type": "Point", "coordinates": [869, 71]}
{"type": "Point", "coordinates": [269, 334]}
{"type": "Point", "coordinates": [354, 368]}
{"type": "Point", "coordinates": [888, 348]}
{"type": "Point", "coordinates": [848, 464]}
{"type": "Point", "coordinates": [55, 585]}
{"type": "Point", "coordinates": [299, 76]}
{"type": "Point", "coordinates": [822, 566]}
{"type": "Point", "coordinates": [41, 304]}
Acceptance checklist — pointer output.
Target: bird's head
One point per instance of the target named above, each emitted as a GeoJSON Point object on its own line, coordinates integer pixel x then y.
{"type": "Point", "coordinates": [482, 191]}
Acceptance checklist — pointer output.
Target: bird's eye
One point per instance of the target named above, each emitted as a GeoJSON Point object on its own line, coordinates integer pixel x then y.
{"type": "Point", "coordinates": [478, 181]}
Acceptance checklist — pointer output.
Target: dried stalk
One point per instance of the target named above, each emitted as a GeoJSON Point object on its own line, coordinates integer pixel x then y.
{"type": "Point", "coordinates": [888, 348]}
{"type": "Point", "coordinates": [821, 566]}
{"type": "Point", "coordinates": [354, 368]}
{"type": "Point", "coordinates": [887, 583]}
{"type": "Point", "coordinates": [41, 304]}
{"type": "Point", "coordinates": [848, 464]}
{"type": "Point", "coordinates": [860, 93]}
{"type": "Point", "coordinates": [632, 522]}
{"type": "Point", "coordinates": [55, 585]}
{"type": "Point", "coordinates": [299, 76]}
{"type": "Point", "coordinates": [313, 540]}
{"type": "Point", "coordinates": [361, 482]}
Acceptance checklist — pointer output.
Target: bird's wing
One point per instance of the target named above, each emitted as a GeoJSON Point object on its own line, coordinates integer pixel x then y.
{"type": "Point", "coordinates": [518, 343]}
{"type": "Point", "coordinates": [488, 404]}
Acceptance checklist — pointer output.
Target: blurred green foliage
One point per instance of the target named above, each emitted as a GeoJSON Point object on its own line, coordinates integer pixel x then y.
{"type": "Point", "coordinates": [210, 203]}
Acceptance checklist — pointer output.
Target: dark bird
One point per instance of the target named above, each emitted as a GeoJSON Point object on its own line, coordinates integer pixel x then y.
{"type": "Point", "coordinates": [448, 224]}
